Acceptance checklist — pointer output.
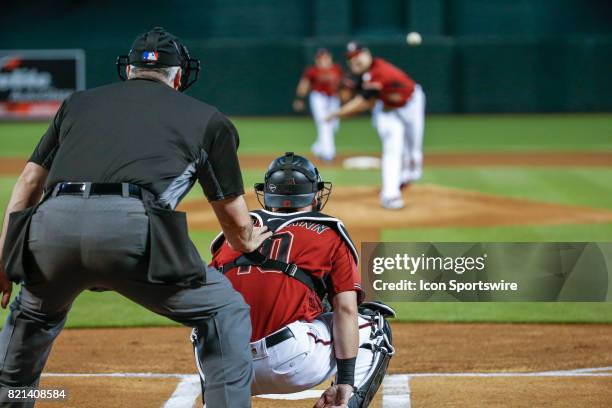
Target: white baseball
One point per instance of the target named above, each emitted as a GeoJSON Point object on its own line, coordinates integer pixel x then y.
{"type": "Point", "coordinates": [413, 38]}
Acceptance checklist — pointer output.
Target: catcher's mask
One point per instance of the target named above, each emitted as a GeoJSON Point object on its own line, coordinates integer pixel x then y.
{"type": "Point", "coordinates": [160, 49]}
{"type": "Point", "coordinates": [292, 182]}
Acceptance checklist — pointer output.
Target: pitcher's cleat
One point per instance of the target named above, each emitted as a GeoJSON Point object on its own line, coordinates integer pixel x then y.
{"type": "Point", "coordinates": [396, 203]}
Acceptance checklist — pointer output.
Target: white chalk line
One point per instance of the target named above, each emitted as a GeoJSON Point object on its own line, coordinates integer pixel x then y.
{"type": "Point", "coordinates": [578, 372]}
{"type": "Point", "coordinates": [185, 394]}
{"type": "Point", "coordinates": [395, 389]}
{"type": "Point", "coordinates": [308, 394]}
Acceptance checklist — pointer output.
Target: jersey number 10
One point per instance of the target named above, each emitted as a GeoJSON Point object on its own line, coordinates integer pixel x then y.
{"type": "Point", "coordinates": [278, 247]}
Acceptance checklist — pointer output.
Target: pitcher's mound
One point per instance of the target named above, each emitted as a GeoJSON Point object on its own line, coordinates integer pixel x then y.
{"type": "Point", "coordinates": [430, 206]}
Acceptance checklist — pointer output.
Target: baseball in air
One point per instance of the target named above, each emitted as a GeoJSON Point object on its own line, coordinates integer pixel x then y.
{"type": "Point", "coordinates": [413, 38]}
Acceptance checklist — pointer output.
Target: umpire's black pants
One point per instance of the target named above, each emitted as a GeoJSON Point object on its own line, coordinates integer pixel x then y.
{"type": "Point", "coordinates": [77, 243]}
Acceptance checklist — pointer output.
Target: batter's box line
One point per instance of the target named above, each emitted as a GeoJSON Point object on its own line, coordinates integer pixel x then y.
{"type": "Point", "coordinates": [579, 372]}
{"type": "Point", "coordinates": [594, 371]}
{"type": "Point", "coordinates": [123, 375]}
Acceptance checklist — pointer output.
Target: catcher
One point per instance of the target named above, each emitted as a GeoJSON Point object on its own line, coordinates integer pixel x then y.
{"type": "Point", "coordinates": [308, 262]}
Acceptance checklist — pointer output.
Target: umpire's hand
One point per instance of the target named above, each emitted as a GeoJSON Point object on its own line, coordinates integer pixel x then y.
{"type": "Point", "coordinates": [336, 396]}
{"type": "Point", "coordinates": [6, 287]}
{"type": "Point", "coordinates": [237, 225]}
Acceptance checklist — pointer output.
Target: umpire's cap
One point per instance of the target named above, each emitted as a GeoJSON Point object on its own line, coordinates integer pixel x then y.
{"type": "Point", "coordinates": [292, 182]}
{"type": "Point", "coordinates": [158, 48]}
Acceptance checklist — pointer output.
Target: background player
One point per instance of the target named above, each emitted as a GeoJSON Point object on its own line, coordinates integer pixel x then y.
{"type": "Point", "coordinates": [310, 256]}
{"type": "Point", "coordinates": [398, 113]}
{"type": "Point", "coordinates": [322, 80]}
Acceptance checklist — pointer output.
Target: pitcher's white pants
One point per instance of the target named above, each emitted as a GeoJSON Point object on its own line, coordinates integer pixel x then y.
{"type": "Point", "coordinates": [305, 360]}
{"type": "Point", "coordinates": [401, 133]}
{"type": "Point", "coordinates": [322, 105]}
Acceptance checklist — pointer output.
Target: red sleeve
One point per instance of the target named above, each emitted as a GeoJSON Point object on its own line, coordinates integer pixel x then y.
{"type": "Point", "coordinates": [223, 255]}
{"type": "Point", "coordinates": [215, 261]}
{"type": "Point", "coordinates": [344, 274]}
{"type": "Point", "coordinates": [310, 74]}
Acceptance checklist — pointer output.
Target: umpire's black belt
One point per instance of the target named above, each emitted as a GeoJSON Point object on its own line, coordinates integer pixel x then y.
{"type": "Point", "coordinates": [97, 189]}
{"type": "Point", "coordinates": [278, 337]}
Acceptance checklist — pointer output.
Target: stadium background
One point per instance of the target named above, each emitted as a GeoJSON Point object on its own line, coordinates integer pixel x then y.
{"type": "Point", "coordinates": [518, 99]}
{"type": "Point", "coordinates": [537, 56]}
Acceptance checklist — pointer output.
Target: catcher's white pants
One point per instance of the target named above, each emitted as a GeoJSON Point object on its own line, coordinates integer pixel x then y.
{"type": "Point", "coordinates": [305, 360]}
{"type": "Point", "coordinates": [322, 105]}
{"type": "Point", "coordinates": [401, 133]}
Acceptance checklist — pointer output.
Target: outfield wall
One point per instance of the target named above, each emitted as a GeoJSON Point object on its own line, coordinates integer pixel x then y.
{"type": "Point", "coordinates": [477, 55]}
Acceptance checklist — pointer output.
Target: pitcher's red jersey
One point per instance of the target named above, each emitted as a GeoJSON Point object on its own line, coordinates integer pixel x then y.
{"type": "Point", "coordinates": [277, 299]}
{"type": "Point", "coordinates": [390, 84]}
{"type": "Point", "coordinates": [325, 80]}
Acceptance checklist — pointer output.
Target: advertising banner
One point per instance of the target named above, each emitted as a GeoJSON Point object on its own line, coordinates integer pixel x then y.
{"type": "Point", "coordinates": [33, 83]}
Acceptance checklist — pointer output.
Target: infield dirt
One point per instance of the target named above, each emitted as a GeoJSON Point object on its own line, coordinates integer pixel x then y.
{"type": "Point", "coordinates": [426, 206]}
{"type": "Point", "coordinates": [421, 348]}
{"type": "Point", "coordinates": [14, 165]}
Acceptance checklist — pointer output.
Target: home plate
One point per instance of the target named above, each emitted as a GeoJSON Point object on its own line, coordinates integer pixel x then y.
{"type": "Point", "coordinates": [309, 394]}
{"type": "Point", "coordinates": [361, 162]}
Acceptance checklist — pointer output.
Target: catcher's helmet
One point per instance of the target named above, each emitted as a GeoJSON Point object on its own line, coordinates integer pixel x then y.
{"type": "Point", "coordinates": [292, 182]}
{"type": "Point", "coordinates": [158, 49]}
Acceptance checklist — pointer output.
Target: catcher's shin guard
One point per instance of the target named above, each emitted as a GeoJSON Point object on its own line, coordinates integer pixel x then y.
{"type": "Point", "coordinates": [382, 347]}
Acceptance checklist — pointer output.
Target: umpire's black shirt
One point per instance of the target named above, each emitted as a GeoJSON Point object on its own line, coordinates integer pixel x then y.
{"type": "Point", "coordinates": [142, 132]}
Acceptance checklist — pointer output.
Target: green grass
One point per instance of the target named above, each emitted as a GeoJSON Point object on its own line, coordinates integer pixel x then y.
{"type": "Point", "coordinates": [202, 240]}
{"type": "Point", "coordinates": [6, 187]}
{"type": "Point", "coordinates": [443, 133]}
{"type": "Point", "coordinates": [19, 139]}
{"type": "Point", "coordinates": [519, 132]}
{"type": "Point", "coordinates": [526, 233]}
{"type": "Point", "coordinates": [108, 309]}
{"type": "Point", "coordinates": [586, 186]}
{"type": "Point", "coordinates": [563, 185]}
{"type": "Point", "coordinates": [104, 309]}
{"type": "Point", "coordinates": [527, 312]}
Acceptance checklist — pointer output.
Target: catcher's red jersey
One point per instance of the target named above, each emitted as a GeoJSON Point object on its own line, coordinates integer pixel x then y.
{"type": "Point", "coordinates": [325, 80]}
{"type": "Point", "coordinates": [392, 85]}
{"type": "Point", "coordinates": [277, 299]}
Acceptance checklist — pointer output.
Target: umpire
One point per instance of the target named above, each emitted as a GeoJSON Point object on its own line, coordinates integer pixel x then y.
{"type": "Point", "coordinates": [111, 168]}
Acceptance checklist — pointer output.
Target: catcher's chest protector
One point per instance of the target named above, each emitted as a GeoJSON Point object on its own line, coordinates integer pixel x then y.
{"type": "Point", "coordinates": [276, 221]}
